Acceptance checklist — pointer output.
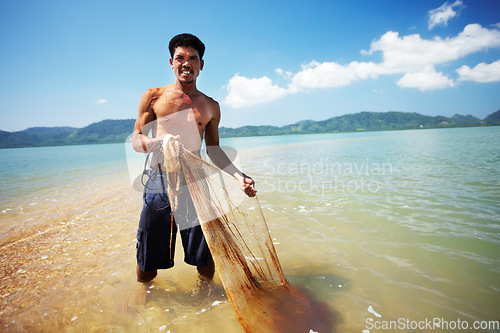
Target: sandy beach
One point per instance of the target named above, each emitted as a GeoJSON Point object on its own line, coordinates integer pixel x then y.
{"type": "Point", "coordinates": [75, 271]}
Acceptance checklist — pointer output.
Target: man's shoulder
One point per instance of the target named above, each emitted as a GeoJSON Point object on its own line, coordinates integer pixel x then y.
{"type": "Point", "coordinates": [209, 100]}
{"type": "Point", "coordinates": [156, 92]}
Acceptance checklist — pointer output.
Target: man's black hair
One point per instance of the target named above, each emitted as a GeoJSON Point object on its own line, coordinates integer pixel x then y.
{"type": "Point", "coordinates": [186, 40]}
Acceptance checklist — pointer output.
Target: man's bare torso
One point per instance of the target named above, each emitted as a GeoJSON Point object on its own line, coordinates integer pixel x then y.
{"type": "Point", "coordinates": [179, 114]}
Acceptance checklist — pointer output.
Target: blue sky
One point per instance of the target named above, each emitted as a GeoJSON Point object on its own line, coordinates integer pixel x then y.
{"type": "Point", "coordinates": [71, 63]}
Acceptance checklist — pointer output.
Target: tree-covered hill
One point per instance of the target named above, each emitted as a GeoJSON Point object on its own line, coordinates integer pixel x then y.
{"type": "Point", "coordinates": [106, 131]}
{"type": "Point", "coordinates": [493, 118]}
{"type": "Point", "coordinates": [363, 121]}
{"type": "Point", "coordinates": [110, 131]}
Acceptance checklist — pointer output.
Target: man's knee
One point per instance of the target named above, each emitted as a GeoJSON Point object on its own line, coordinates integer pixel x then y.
{"type": "Point", "coordinates": [145, 276]}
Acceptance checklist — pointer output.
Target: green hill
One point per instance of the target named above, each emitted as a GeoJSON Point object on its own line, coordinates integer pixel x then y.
{"type": "Point", "coordinates": [48, 130]}
{"type": "Point", "coordinates": [493, 119]}
{"type": "Point", "coordinates": [110, 131]}
{"type": "Point", "coordinates": [106, 131]}
{"type": "Point", "coordinates": [363, 121]}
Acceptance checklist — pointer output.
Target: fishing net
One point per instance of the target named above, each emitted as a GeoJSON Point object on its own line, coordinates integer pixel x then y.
{"type": "Point", "coordinates": [242, 248]}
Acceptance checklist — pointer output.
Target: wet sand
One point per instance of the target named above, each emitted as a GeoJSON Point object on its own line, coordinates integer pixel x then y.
{"type": "Point", "coordinates": [73, 269]}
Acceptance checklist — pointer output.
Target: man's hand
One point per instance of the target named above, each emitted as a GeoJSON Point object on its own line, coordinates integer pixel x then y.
{"type": "Point", "coordinates": [247, 185]}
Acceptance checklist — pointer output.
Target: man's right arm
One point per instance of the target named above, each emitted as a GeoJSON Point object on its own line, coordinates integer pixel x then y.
{"type": "Point", "coordinates": [140, 141]}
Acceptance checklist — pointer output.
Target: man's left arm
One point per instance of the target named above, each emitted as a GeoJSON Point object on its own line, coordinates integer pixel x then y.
{"type": "Point", "coordinates": [219, 157]}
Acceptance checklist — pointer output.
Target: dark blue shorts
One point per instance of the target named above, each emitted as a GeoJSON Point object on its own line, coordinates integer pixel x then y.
{"type": "Point", "coordinates": [157, 230]}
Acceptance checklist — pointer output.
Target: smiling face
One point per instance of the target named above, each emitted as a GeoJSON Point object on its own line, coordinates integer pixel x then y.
{"type": "Point", "coordinates": [186, 64]}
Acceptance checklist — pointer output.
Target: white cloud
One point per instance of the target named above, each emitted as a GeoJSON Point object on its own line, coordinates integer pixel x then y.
{"type": "Point", "coordinates": [331, 74]}
{"type": "Point", "coordinates": [101, 101]}
{"type": "Point", "coordinates": [441, 15]}
{"type": "Point", "coordinates": [413, 57]}
{"type": "Point", "coordinates": [244, 92]}
{"type": "Point", "coordinates": [482, 73]}
{"type": "Point", "coordinates": [412, 53]}
{"type": "Point", "coordinates": [322, 75]}
{"type": "Point", "coordinates": [428, 79]}
{"type": "Point", "coordinates": [286, 75]}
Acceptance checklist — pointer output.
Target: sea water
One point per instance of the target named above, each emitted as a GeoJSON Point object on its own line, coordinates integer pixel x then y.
{"type": "Point", "coordinates": [391, 229]}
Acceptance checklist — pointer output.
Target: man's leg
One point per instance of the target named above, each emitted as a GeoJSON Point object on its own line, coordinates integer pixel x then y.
{"type": "Point", "coordinates": [207, 272]}
{"type": "Point", "coordinates": [156, 232]}
{"type": "Point", "coordinates": [205, 283]}
{"type": "Point", "coordinates": [146, 276]}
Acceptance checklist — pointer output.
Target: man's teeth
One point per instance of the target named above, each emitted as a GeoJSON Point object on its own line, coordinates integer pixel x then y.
{"type": "Point", "coordinates": [186, 72]}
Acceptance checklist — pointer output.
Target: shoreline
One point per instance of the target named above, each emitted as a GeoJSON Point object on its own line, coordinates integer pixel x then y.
{"type": "Point", "coordinates": [75, 270]}
{"type": "Point", "coordinates": [222, 136]}
{"type": "Point", "coordinates": [49, 261]}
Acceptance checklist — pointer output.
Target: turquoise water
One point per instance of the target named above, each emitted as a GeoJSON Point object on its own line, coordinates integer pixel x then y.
{"type": "Point", "coordinates": [25, 171]}
{"type": "Point", "coordinates": [407, 222]}
{"type": "Point", "coordinates": [402, 224]}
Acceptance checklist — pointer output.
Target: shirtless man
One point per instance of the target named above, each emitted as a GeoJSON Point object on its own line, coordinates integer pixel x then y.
{"type": "Point", "coordinates": [179, 109]}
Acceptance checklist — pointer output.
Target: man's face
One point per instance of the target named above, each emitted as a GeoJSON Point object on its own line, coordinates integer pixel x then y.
{"type": "Point", "coordinates": [186, 64]}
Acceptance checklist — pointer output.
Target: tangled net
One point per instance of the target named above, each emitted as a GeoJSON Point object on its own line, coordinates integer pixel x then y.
{"type": "Point", "coordinates": [241, 246]}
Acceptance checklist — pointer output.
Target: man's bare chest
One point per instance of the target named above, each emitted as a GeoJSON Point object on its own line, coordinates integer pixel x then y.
{"type": "Point", "coordinates": [168, 108]}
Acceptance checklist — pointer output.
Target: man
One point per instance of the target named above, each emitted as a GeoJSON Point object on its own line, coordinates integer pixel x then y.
{"type": "Point", "coordinates": [182, 110]}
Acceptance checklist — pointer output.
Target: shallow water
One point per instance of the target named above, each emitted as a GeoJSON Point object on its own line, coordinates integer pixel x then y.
{"type": "Point", "coordinates": [402, 224]}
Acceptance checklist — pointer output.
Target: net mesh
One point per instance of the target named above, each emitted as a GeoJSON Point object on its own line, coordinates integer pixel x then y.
{"type": "Point", "coordinates": [241, 245]}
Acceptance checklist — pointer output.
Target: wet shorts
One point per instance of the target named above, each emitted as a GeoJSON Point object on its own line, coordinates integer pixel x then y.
{"type": "Point", "coordinates": [157, 230]}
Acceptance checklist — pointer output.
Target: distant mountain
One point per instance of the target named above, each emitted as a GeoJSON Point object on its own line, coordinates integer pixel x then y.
{"type": "Point", "coordinates": [463, 120]}
{"type": "Point", "coordinates": [109, 131]}
{"type": "Point", "coordinates": [48, 130]}
{"type": "Point", "coordinates": [106, 131]}
{"type": "Point", "coordinates": [493, 118]}
{"type": "Point", "coordinates": [363, 121]}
